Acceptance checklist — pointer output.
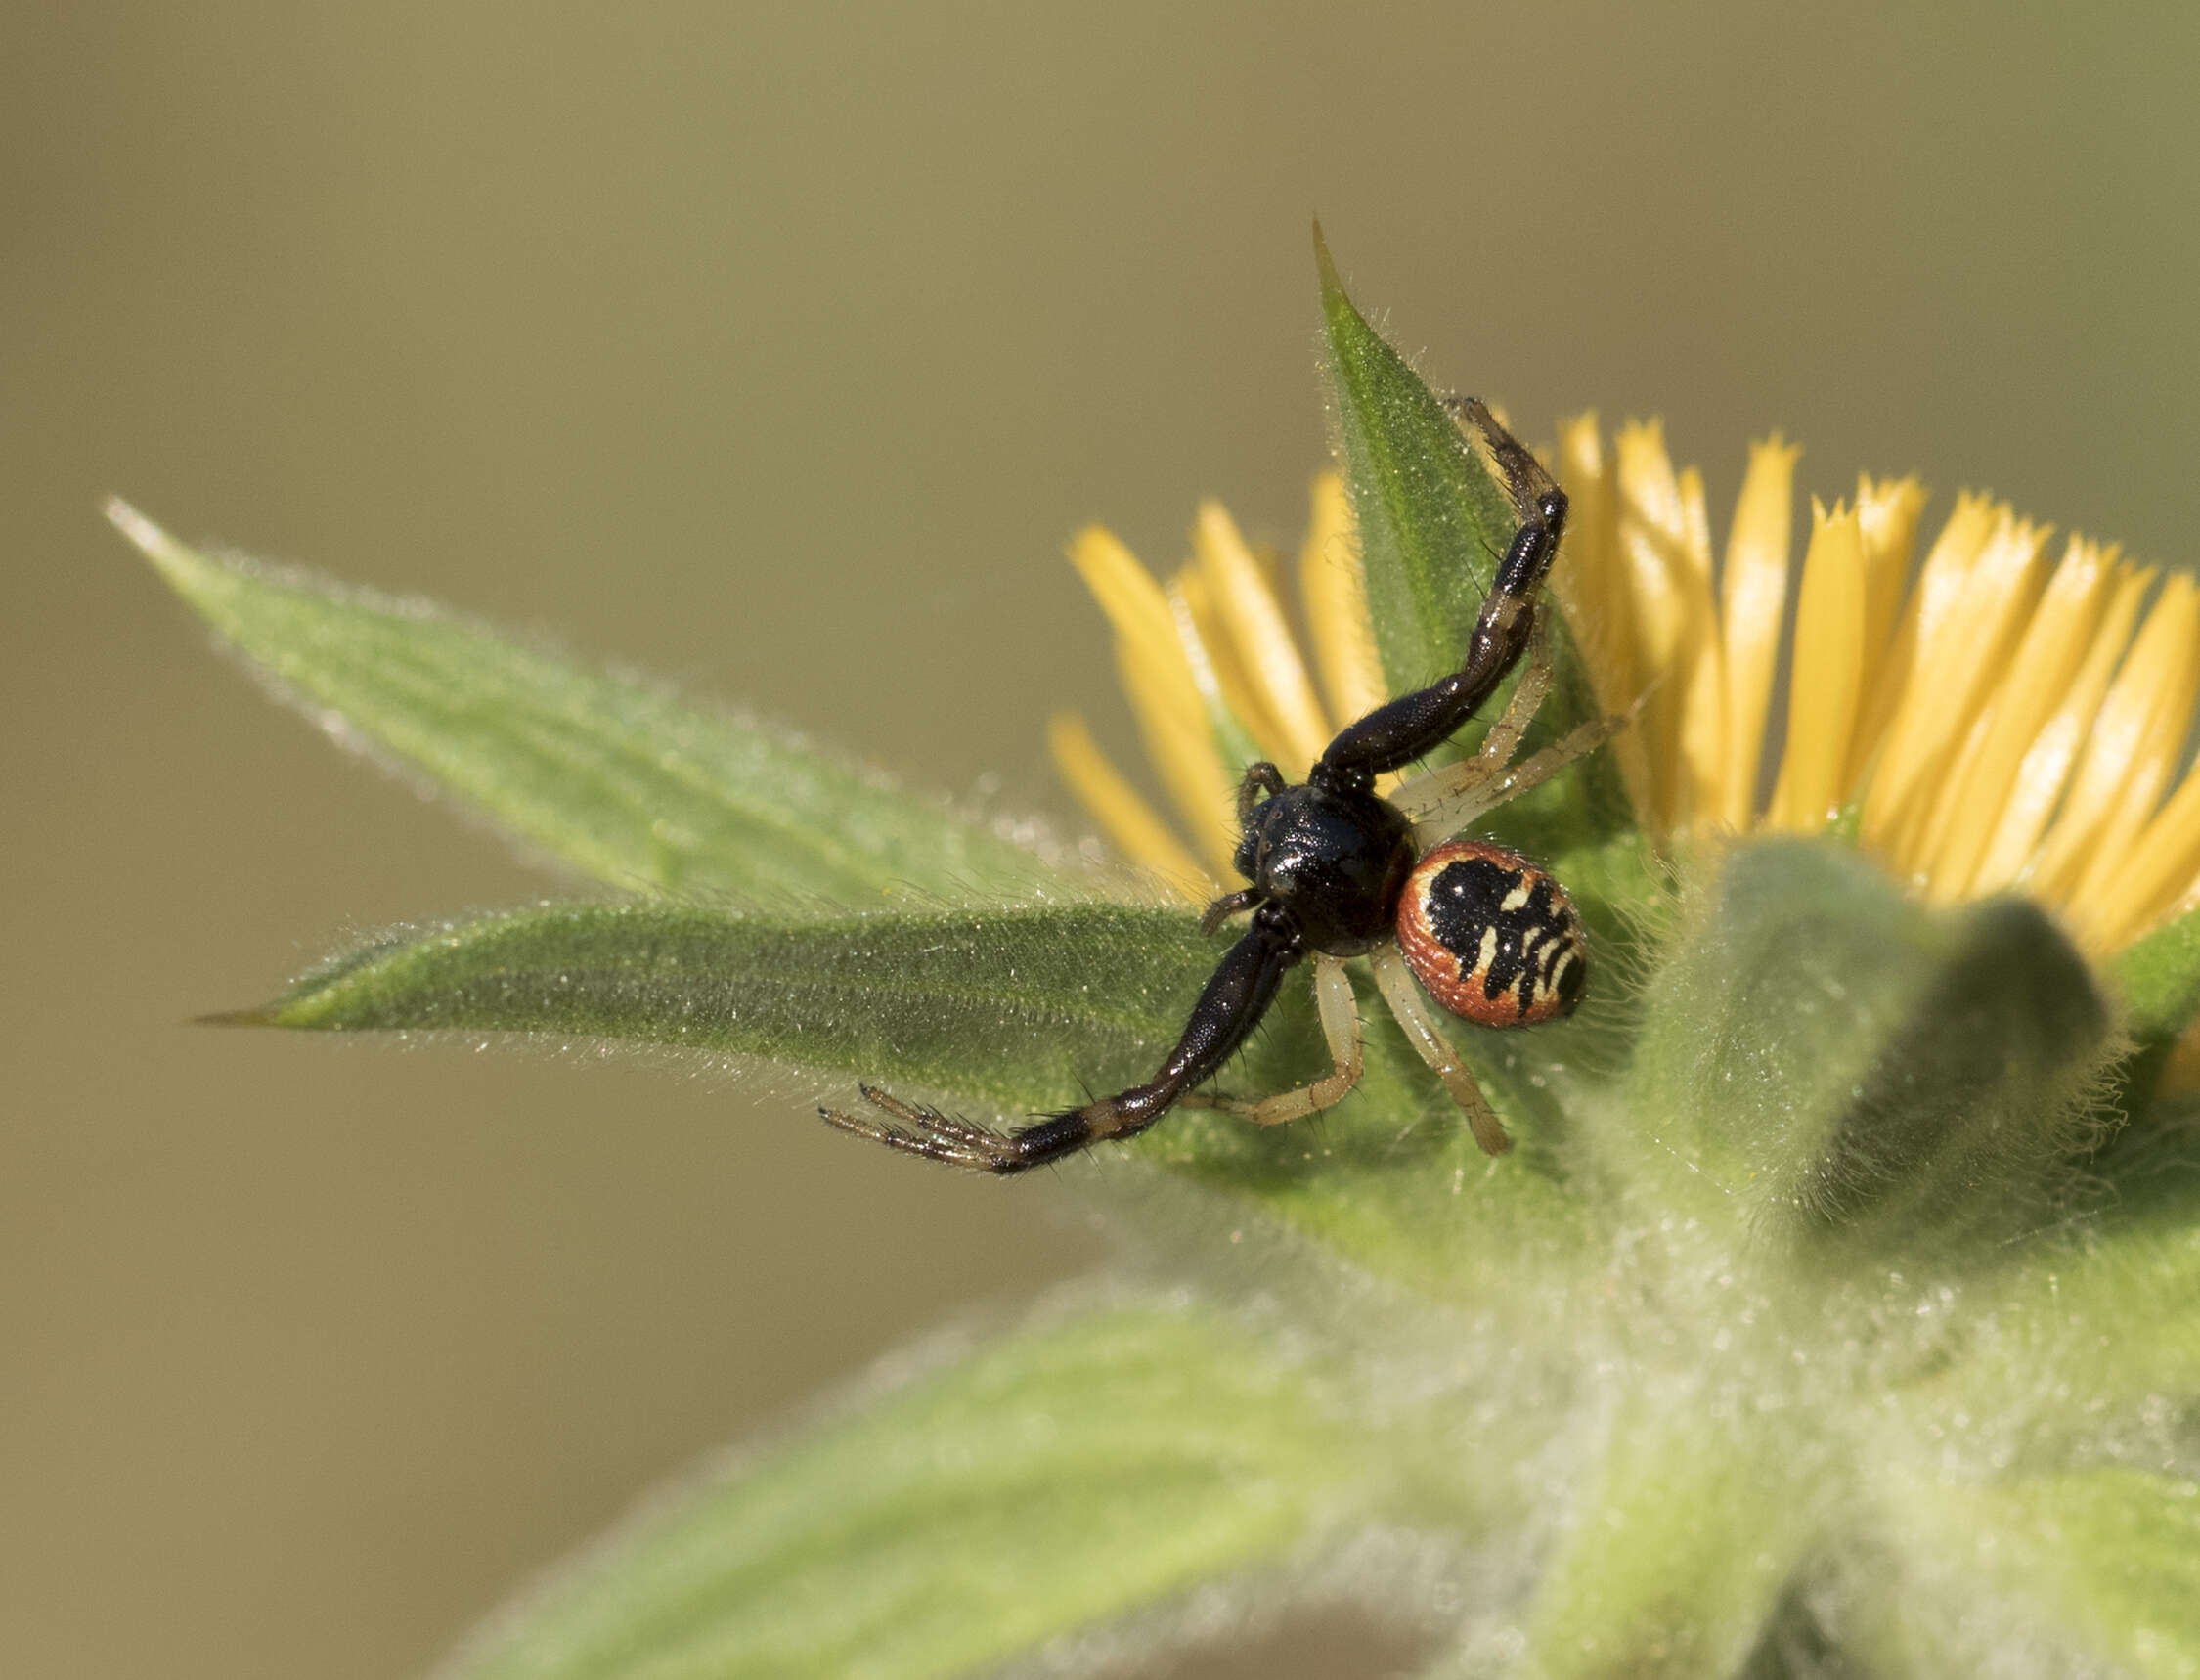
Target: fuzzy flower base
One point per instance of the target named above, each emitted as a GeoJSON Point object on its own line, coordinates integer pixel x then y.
{"type": "Point", "coordinates": [1839, 1310]}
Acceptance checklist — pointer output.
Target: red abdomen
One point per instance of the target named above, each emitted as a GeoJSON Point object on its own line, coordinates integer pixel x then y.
{"type": "Point", "coordinates": [1491, 937]}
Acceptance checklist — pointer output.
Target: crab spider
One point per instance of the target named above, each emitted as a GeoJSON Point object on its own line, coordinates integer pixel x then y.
{"type": "Point", "coordinates": [1338, 871]}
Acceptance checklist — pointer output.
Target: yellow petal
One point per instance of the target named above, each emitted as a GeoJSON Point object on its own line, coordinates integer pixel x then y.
{"type": "Point", "coordinates": [1886, 512]}
{"type": "Point", "coordinates": [2046, 767]}
{"type": "Point", "coordinates": [1968, 805]}
{"type": "Point", "coordinates": [1242, 725]}
{"type": "Point", "coordinates": [2158, 872]}
{"type": "Point", "coordinates": [1702, 746]}
{"type": "Point", "coordinates": [1934, 814]}
{"type": "Point", "coordinates": [2106, 896]}
{"type": "Point", "coordinates": [1753, 595]}
{"type": "Point", "coordinates": [2115, 748]}
{"type": "Point", "coordinates": [1333, 588]}
{"type": "Point", "coordinates": [1125, 590]}
{"type": "Point", "coordinates": [1182, 749]}
{"type": "Point", "coordinates": [1261, 638]}
{"type": "Point", "coordinates": [1137, 831]}
{"type": "Point", "coordinates": [1596, 598]}
{"type": "Point", "coordinates": [1656, 568]}
{"type": "Point", "coordinates": [1963, 646]}
{"type": "Point", "coordinates": [1163, 693]}
{"type": "Point", "coordinates": [1886, 700]}
{"type": "Point", "coordinates": [1586, 574]}
{"type": "Point", "coordinates": [1827, 679]}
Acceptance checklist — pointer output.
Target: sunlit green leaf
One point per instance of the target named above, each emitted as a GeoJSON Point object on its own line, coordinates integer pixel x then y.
{"type": "Point", "coordinates": [1015, 1010]}
{"type": "Point", "coordinates": [1018, 1007]}
{"type": "Point", "coordinates": [1050, 1483]}
{"type": "Point", "coordinates": [1432, 519]}
{"type": "Point", "coordinates": [612, 775]}
{"type": "Point", "coordinates": [1432, 522]}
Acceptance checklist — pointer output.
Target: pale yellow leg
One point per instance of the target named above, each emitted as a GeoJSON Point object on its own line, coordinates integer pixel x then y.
{"type": "Point", "coordinates": [1497, 748]}
{"type": "Point", "coordinates": [1340, 1026]}
{"type": "Point", "coordinates": [1444, 812]}
{"type": "Point", "coordinates": [1394, 979]}
{"type": "Point", "coordinates": [1528, 694]}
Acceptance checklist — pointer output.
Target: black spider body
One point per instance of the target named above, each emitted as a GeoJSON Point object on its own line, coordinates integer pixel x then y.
{"type": "Point", "coordinates": [1335, 871]}
{"type": "Point", "coordinates": [1335, 859]}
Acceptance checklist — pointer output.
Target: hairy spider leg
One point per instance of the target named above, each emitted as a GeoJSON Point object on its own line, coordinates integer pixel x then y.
{"type": "Point", "coordinates": [1226, 907]}
{"type": "Point", "coordinates": [1340, 1026]}
{"type": "Point", "coordinates": [1457, 795]}
{"type": "Point", "coordinates": [1394, 979]}
{"type": "Point", "coordinates": [1498, 746]}
{"type": "Point", "coordinates": [1525, 481]}
{"type": "Point", "coordinates": [1261, 779]}
{"type": "Point", "coordinates": [1504, 738]}
{"type": "Point", "coordinates": [1236, 996]}
{"type": "Point", "coordinates": [1394, 735]}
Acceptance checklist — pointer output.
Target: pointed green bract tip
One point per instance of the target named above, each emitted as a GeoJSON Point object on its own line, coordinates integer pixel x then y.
{"type": "Point", "coordinates": [609, 773]}
{"type": "Point", "coordinates": [1324, 264]}
{"type": "Point", "coordinates": [176, 562]}
{"type": "Point", "coordinates": [1431, 519]}
{"type": "Point", "coordinates": [1347, 329]}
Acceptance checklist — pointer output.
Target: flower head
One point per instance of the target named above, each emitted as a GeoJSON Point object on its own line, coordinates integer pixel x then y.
{"type": "Point", "coordinates": [2015, 718]}
{"type": "Point", "coordinates": [1842, 1305]}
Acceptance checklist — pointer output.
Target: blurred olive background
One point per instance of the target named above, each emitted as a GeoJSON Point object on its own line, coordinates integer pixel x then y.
{"type": "Point", "coordinates": [778, 349]}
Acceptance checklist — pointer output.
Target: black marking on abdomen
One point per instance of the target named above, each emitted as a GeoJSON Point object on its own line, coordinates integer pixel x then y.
{"type": "Point", "coordinates": [1467, 900]}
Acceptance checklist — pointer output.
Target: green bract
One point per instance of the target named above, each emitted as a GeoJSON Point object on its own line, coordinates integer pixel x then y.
{"type": "Point", "coordinates": [1839, 1311]}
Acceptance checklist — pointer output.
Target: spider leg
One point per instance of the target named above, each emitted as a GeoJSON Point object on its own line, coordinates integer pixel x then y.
{"type": "Point", "coordinates": [1235, 998]}
{"type": "Point", "coordinates": [1526, 480]}
{"type": "Point", "coordinates": [1394, 735]}
{"type": "Point", "coordinates": [1528, 694]}
{"type": "Point", "coordinates": [1260, 779]}
{"type": "Point", "coordinates": [918, 1129]}
{"type": "Point", "coordinates": [1226, 907]}
{"type": "Point", "coordinates": [1444, 812]}
{"type": "Point", "coordinates": [1340, 1026]}
{"type": "Point", "coordinates": [1498, 746]}
{"type": "Point", "coordinates": [1403, 994]}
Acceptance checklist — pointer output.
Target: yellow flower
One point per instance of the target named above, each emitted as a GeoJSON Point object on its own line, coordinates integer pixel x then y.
{"type": "Point", "coordinates": [1216, 679]}
{"type": "Point", "coordinates": [2011, 720]}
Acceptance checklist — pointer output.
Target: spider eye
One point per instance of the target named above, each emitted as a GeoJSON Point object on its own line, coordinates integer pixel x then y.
{"type": "Point", "coordinates": [1491, 937]}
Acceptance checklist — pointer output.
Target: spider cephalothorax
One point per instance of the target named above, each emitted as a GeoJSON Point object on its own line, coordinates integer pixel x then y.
{"type": "Point", "coordinates": [1337, 871]}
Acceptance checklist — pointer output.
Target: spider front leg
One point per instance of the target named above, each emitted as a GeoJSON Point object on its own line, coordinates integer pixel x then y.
{"type": "Point", "coordinates": [1394, 735]}
{"type": "Point", "coordinates": [1340, 1026]}
{"type": "Point", "coordinates": [1231, 1004]}
{"type": "Point", "coordinates": [1261, 780]}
